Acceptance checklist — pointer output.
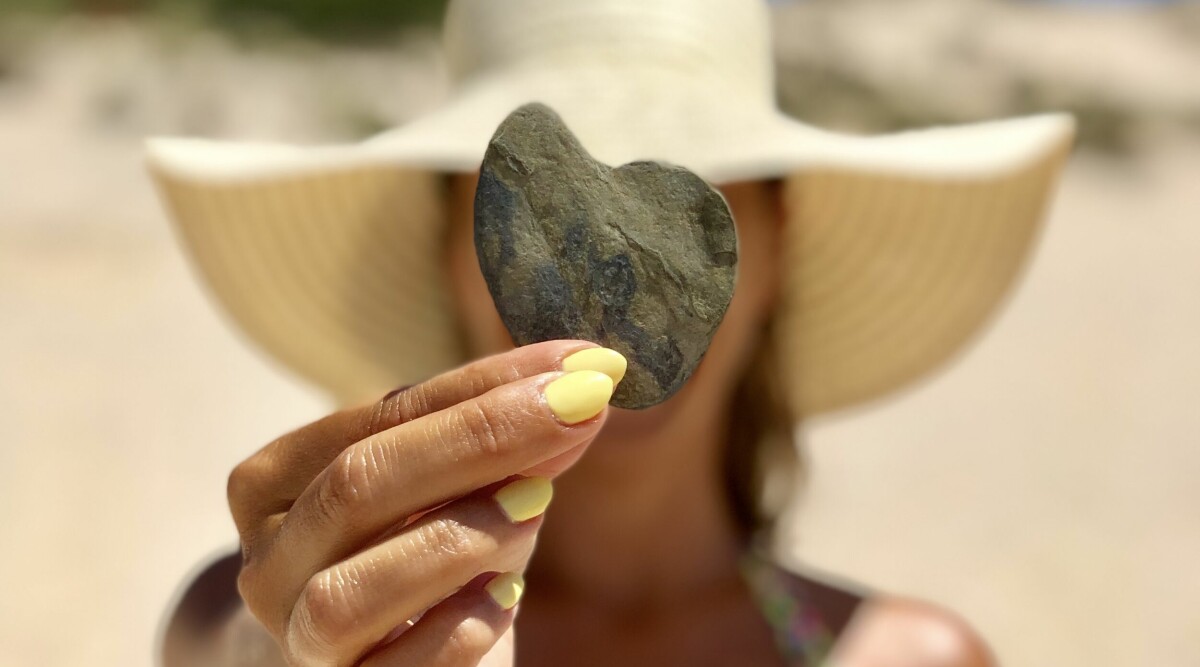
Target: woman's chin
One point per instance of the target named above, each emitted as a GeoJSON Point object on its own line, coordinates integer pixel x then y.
{"type": "Point", "coordinates": [626, 428]}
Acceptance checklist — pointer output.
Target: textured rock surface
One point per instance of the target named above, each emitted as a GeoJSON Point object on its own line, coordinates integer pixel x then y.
{"type": "Point", "coordinates": [641, 258]}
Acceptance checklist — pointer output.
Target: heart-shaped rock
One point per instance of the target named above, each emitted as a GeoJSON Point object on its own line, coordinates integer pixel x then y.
{"type": "Point", "coordinates": [641, 258]}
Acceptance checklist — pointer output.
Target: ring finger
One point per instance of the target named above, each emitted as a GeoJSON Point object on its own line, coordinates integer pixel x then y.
{"type": "Point", "coordinates": [460, 631]}
{"type": "Point", "coordinates": [346, 609]}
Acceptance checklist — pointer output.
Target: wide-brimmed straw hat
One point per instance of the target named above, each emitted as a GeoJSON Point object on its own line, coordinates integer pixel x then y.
{"type": "Point", "coordinates": [897, 248]}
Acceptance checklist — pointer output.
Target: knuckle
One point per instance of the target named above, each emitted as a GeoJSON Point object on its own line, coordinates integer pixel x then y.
{"type": "Point", "coordinates": [346, 484]}
{"type": "Point", "coordinates": [397, 407]}
{"type": "Point", "coordinates": [250, 586]}
{"type": "Point", "coordinates": [235, 486]}
{"type": "Point", "coordinates": [243, 484]}
{"type": "Point", "coordinates": [409, 403]}
{"type": "Point", "coordinates": [470, 640]}
{"type": "Point", "coordinates": [489, 429]}
{"type": "Point", "coordinates": [325, 613]}
{"type": "Point", "coordinates": [243, 479]}
{"type": "Point", "coordinates": [452, 539]}
{"type": "Point", "coordinates": [247, 580]}
{"type": "Point", "coordinates": [478, 378]}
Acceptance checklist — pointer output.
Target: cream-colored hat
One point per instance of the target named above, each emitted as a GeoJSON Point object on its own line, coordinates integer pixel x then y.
{"type": "Point", "coordinates": [897, 247]}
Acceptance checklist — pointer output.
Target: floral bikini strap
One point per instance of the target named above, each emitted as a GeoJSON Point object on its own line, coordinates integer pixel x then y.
{"type": "Point", "coordinates": [800, 632]}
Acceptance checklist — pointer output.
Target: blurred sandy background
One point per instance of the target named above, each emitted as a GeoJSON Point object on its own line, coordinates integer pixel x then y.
{"type": "Point", "coordinates": [1047, 485]}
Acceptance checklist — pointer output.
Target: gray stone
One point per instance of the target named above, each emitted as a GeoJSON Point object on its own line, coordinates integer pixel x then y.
{"type": "Point", "coordinates": [641, 258]}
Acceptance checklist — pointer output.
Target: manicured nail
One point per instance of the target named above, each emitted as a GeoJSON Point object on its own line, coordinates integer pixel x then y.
{"type": "Point", "coordinates": [609, 362]}
{"type": "Point", "coordinates": [506, 589]}
{"type": "Point", "coordinates": [525, 498]}
{"type": "Point", "coordinates": [579, 396]}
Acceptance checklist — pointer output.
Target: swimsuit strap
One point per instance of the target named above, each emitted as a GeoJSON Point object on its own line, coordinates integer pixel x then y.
{"type": "Point", "coordinates": [803, 636]}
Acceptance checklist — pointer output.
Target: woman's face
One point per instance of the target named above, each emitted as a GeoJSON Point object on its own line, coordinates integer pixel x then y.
{"type": "Point", "coordinates": [758, 216]}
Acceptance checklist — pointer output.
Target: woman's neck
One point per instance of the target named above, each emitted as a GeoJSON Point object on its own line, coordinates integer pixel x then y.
{"type": "Point", "coordinates": [642, 523]}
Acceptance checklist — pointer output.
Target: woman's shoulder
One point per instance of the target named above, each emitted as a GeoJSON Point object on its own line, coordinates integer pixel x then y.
{"type": "Point", "coordinates": [891, 631]}
{"type": "Point", "coordinates": [879, 630]}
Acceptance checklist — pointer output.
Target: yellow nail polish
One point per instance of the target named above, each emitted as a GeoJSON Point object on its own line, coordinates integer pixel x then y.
{"type": "Point", "coordinates": [506, 589]}
{"type": "Point", "coordinates": [579, 396]}
{"type": "Point", "coordinates": [609, 362]}
{"type": "Point", "coordinates": [525, 498]}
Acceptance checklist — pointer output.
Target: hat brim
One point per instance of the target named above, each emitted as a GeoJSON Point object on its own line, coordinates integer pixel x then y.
{"type": "Point", "coordinates": [898, 247]}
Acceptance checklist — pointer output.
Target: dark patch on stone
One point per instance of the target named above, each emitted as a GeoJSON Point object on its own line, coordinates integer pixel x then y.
{"type": "Point", "coordinates": [641, 258]}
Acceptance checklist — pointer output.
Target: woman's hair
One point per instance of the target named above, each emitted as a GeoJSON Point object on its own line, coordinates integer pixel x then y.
{"type": "Point", "coordinates": [762, 459]}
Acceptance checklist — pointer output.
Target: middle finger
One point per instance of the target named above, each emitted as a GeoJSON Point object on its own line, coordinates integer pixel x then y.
{"type": "Point", "coordinates": [346, 609]}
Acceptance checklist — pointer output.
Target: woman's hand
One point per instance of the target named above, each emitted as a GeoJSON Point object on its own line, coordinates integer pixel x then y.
{"type": "Point", "coordinates": [360, 522]}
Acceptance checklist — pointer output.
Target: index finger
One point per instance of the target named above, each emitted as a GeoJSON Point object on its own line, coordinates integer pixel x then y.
{"type": "Point", "coordinates": [270, 481]}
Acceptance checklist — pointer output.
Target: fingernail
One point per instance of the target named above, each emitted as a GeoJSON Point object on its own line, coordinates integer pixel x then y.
{"type": "Point", "coordinates": [525, 498]}
{"type": "Point", "coordinates": [602, 359]}
{"type": "Point", "coordinates": [506, 589]}
{"type": "Point", "coordinates": [579, 396]}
